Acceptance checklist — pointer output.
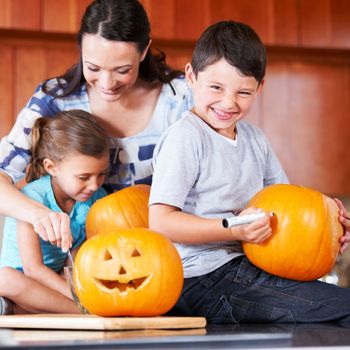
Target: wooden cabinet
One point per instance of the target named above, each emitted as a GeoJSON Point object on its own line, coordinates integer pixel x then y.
{"type": "Point", "coordinates": [305, 113]}
{"type": "Point", "coordinates": [284, 24]}
{"type": "Point", "coordinates": [325, 23]}
{"type": "Point", "coordinates": [42, 15]}
{"type": "Point", "coordinates": [309, 23]}
{"type": "Point", "coordinates": [6, 89]}
{"type": "Point", "coordinates": [24, 63]}
{"type": "Point", "coordinates": [317, 131]}
{"type": "Point", "coordinates": [63, 15]}
{"type": "Point", "coordinates": [20, 14]}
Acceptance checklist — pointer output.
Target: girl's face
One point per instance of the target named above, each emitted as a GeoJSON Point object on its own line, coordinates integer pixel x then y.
{"type": "Point", "coordinates": [110, 67]}
{"type": "Point", "coordinates": [76, 177]}
{"type": "Point", "coordinates": [222, 95]}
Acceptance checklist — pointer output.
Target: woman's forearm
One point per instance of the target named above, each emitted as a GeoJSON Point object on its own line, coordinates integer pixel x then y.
{"type": "Point", "coordinates": [14, 203]}
{"type": "Point", "coordinates": [51, 226]}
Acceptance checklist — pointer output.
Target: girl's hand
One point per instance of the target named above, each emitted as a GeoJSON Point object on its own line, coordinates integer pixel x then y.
{"type": "Point", "coordinates": [53, 227]}
{"type": "Point", "coordinates": [256, 232]}
{"type": "Point", "coordinates": [344, 219]}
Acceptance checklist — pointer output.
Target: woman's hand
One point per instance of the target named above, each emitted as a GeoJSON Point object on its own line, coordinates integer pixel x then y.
{"type": "Point", "coordinates": [256, 232]}
{"type": "Point", "coordinates": [344, 219]}
{"type": "Point", "coordinates": [53, 227]}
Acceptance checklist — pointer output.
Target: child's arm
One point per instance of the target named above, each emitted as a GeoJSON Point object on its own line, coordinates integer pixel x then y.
{"type": "Point", "coordinates": [181, 227]}
{"type": "Point", "coordinates": [344, 219]}
{"type": "Point", "coordinates": [32, 260]}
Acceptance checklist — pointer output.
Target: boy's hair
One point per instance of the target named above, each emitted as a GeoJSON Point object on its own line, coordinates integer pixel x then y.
{"type": "Point", "coordinates": [68, 132]}
{"type": "Point", "coordinates": [237, 43]}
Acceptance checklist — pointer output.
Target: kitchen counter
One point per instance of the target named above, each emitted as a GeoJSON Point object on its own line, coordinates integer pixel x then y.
{"type": "Point", "coordinates": [257, 336]}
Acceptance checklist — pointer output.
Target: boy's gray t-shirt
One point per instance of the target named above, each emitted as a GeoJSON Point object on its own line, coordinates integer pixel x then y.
{"type": "Point", "coordinates": [206, 174]}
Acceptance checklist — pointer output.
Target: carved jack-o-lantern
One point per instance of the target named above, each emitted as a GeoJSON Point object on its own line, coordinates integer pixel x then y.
{"type": "Point", "coordinates": [128, 272]}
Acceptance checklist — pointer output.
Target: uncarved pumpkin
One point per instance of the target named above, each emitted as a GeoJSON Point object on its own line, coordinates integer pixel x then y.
{"type": "Point", "coordinates": [128, 272]}
{"type": "Point", "coordinates": [305, 233]}
{"type": "Point", "coordinates": [126, 208]}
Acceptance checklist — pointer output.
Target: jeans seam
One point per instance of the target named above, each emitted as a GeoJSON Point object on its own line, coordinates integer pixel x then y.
{"type": "Point", "coordinates": [276, 291]}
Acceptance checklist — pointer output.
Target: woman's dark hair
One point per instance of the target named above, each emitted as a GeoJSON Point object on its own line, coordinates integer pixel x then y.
{"type": "Point", "coordinates": [119, 20]}
{"type": "Point", "coordinates": [237, 43]}
{"type": "Point", "coordinates": [74, 131]}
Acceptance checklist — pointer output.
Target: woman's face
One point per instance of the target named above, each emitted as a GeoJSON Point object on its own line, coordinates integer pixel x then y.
{"type": "Point", "coordinates": [110, 67]}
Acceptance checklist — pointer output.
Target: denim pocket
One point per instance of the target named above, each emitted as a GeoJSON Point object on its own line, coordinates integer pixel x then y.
{"type": "Point", "coordinates": [221, 312]}
{"type": "Point", "coordinates": [251, 311]}
{"type": "Point", "coordinates": [235, 310]}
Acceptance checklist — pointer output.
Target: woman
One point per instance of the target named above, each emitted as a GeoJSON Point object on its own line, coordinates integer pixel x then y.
{"type": "Point", "coordinates": [134, 95]}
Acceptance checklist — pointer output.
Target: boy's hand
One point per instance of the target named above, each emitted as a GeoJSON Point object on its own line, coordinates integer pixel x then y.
{"type": "Point", "coordinates": [344, 219]}
{"type": "Point", "coordinates": [256, 232]}
{"type": "Point", "coordinates": [53, 227]}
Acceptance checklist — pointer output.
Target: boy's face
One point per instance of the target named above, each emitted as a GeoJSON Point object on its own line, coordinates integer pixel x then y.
{"type": "Point", "coordinates": [222, 95]}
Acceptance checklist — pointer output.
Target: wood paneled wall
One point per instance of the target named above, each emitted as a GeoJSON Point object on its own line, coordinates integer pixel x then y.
{"type": "Point", "coordinates": [24, 63]}
{"type": "Point", "coordinates": [313, 23]}
{"type": "Point", "coordinates": [304, 107]}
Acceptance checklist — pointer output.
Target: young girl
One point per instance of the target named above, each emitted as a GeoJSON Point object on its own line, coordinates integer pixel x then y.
{"type": "Point", "coordinates": [69, 162]}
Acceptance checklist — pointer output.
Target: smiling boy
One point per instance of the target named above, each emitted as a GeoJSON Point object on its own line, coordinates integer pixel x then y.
{"type": "Point", "coordinates": [210, 164]}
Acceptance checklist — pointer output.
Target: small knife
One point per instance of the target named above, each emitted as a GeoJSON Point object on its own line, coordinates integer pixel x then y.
{"type": "Point", "coordinates": [70, 257]}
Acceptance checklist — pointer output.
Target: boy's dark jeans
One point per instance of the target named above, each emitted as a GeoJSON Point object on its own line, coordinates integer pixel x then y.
{"type": "Point", "coordinates": [240, 292]}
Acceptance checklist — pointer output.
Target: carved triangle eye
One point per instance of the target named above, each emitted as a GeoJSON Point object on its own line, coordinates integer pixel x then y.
{"type": "Point", "coordinates": [135, 253]}
{"type": "Point", "coordinates": [108, 255]}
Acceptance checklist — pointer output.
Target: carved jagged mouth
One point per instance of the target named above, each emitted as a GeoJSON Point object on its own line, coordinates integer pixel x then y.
{"type": "Point", "coordinates": [122, 287]}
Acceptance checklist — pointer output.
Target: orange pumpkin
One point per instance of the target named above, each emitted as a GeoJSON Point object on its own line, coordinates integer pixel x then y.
{"type": "Point", "coordinates": [128, 272]}
{"type": "Point", "coordinates": [126, 208]}
{"type": "Point", "coordinates": [305, 233]}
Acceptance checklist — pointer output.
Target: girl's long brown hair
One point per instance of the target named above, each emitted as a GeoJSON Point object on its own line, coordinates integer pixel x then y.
{"type": "Point", "coordinates": [74, 131]}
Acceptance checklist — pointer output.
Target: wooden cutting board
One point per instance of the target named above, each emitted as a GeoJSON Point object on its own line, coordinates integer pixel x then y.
{"type": "Point", "coordinates": [50, 335]}
{"type": "Point", "coordinates": [65, 321]}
